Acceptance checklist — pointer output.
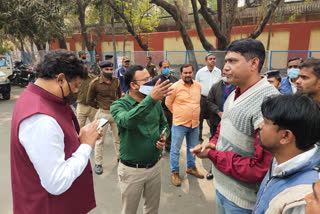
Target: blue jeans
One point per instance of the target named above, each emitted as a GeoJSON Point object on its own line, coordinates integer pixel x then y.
{"type": "Point", "coordinates": [224, 206]}
{"type": "Point", "coordinates": [177, 135]}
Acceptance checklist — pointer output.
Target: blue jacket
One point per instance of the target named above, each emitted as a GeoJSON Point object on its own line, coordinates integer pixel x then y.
{"type": "Point", "coordinates": [285, 87]}
{"type": "Point", "coordinates": [304, 174]}
{"type": "Point", "coordinates": [120, 74]}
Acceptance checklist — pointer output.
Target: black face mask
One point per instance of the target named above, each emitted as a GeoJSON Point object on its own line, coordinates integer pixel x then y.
{"type": "Point", "coordinates": [107, 75]}
{"type": "Point", "coordinates": [71, 98]}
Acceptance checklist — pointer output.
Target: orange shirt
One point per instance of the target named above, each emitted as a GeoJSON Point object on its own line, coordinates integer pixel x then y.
{"type": "Point", "coordinates": [184, 103]}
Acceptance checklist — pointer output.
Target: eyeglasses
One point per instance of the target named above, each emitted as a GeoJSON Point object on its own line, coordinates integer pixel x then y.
{"type": "Point", "coordinates": [147, 79]}
{"type": "Point", "coordinates": [293, 66]}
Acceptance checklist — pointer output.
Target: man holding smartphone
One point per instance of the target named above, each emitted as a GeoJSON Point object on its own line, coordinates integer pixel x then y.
{"type": "Point", "coordinates": [102, 92]}
{"type": "Point", "coordinates": [140, 121]}
{"type": "Point", "coordinates": [50, 167]}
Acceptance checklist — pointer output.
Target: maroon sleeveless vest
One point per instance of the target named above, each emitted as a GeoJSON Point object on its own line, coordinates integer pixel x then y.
{"type": "Point", "coordinates": [29, 197]}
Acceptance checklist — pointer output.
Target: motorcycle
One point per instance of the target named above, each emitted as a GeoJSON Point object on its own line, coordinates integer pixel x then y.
{"type": "Point", "coordinates": [22, 74]}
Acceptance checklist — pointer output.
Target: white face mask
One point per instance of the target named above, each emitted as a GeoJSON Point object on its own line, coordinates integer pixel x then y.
{"type": "Point", "coordinates": [224, 79]}
{"type": "Point", "coordinates": [145, 89]}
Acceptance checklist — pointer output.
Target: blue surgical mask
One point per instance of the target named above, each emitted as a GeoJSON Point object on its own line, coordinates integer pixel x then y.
{"type": "Point", "coordinates": [166, 71]}
{"type": "Point", "coordinates": [293, 72]}
{"type": "Point", "coordinates": [146, 88]}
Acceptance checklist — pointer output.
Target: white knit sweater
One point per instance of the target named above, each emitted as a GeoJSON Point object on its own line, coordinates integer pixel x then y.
{"type": "Point", "coordinates": [239, 122]}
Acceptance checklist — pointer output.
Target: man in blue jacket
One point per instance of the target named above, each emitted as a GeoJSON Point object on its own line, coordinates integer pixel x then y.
{"type": "Point", "coordinates": [290, 131]}
{"type": "Point", "coordinates": [288, 83]}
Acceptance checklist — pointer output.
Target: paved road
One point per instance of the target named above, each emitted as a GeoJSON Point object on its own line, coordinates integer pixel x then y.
{"type": "Point", "coordinates": [194, 196]}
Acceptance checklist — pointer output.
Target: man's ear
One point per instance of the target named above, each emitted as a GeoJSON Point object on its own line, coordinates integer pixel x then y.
{"type": "Point", "coordinates": [133, 85]}
{"type": "Point", "coordinates": [287, 137]}
{"type": "Point", "coordinates": [60, 78]}
{"type": "Point", "coordinates": [255, 64]}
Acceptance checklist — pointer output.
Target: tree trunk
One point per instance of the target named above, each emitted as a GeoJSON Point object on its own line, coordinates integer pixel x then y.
{"type": "Point", "coordinates": [269, 33]}
{"type": "Point", "coordinates": [205, 43]}
{"type": "Point", "coordinates": [124, 40]}
{"type": "Point", "coordinates": [62, 43]}
{"type": "Point", "coordinates": [260, 27]}
{"type": "Point", "coordinates": [175, 12]}
{"type": "Point", "coordinates": [130, 27]}
{"type": "Point", "coordinates": [214, 23]}
{"type": "Point", "coordinates": [114, 40]}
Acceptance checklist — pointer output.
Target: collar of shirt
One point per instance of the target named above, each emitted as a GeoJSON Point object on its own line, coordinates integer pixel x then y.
{"type": "Point", "coordinates": [130, 99]}
{"type": "Point", "coordinates": [187, 84]}
{"type": "Point", "coordinates": [293, 162]}
{"type": "Point", "coordinates": [102, 81]}
{"type": "Point", "coordinates": [207, 69]}
{"type": "Point", "coordinates": [238, 93]}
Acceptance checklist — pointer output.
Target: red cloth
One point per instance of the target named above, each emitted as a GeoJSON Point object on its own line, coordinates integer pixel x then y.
{"type": "Point", "coordinates": [247, 169]}
{"type": "Point", "coordinates": [29, 197]}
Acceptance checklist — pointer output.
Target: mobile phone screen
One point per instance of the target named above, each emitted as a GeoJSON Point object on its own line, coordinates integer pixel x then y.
{"type": "Point", "coordinates": [162, 133]}
{"type": "Point", "coordinates": [102, 123]}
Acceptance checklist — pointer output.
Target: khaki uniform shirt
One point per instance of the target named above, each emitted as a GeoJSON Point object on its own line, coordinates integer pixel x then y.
{"type": "Point", "coordinates": [83, 89]}
{"type": "Point", "coordinates": [102, 94]}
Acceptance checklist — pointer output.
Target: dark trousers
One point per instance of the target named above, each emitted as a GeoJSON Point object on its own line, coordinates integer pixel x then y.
{"type": "Point", "coordinates": [213, 130]}
{"type": "Point", "coordinates": [203, 113]}
{"type": "Point", "coordinates": [168, 115]}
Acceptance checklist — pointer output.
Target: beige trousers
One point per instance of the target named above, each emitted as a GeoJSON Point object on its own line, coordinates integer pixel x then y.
{"type": "Point", "coordinates": [98, 150]}
{"type": "Point", "coordinates": [137, 181]}
{"type": "Point", "coordinates": [84, 112]}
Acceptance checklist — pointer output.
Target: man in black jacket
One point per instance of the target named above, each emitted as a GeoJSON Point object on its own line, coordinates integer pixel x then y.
{"type": "Point", "coordinates": [218, 94]}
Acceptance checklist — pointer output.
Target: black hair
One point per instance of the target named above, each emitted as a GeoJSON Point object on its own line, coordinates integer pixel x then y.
{"type": "Point", "coordinates": [312, 63]}
{"type": "Point", "coordinates": [209, 54]}
{"type": "Point", "coordinates": [130, 72]}
{"type": "Point", "coordinates": [107, 57]}
{"type": "Point", "coordinates": [275, 74]}
{"type": "Point", "coordinates": [61, 61]}
{"type": "Point", "coordinates": [297, 112]}
{"type": "Point", "coordinates": [249, 49]}
{"type": "Point", "coordinates": [278, 78]}
{"type": "Point", "coordinates": [150, 57]}
{"type": "Point", "coordinates": [294, 59]}
{"type": "Point", "coordinates": [162, 61]}
{"type": "Point", "coordinates": [186, 66]}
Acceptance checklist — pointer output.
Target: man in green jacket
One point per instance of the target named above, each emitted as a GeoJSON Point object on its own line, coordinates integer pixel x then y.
{"type": "Point", "coordinates": [141, 122]}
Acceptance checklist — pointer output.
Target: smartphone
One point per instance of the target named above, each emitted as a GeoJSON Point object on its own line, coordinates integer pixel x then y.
{"type": "Point", "coordinates": [162, 133]}
{"type": "Point", "coordinates": [102, 123]}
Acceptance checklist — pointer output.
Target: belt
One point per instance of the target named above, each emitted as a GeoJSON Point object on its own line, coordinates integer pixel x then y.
{"type": "Point", "coordinates": [203, 96]}
{"type": "Point", "coordinates": [137, 165]}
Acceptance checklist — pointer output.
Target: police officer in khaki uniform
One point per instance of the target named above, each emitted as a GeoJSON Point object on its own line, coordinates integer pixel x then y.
{"type": "Point", "coordinates": [103, 91]}
{"type": "Point", "coordinates": [152, 69]}
{"type": "Point", "coordinates": [84, 110]}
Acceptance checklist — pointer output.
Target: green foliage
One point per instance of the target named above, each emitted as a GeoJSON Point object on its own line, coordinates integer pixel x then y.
{"type": "Point", "coordinates": [293, 17]}
{"type": "Point", "coordinates": [212, 4]}
{"type": "Point", "coordinates": [37, 20]}
{"type": "Point", "coordinates": [143, 16]}
{"type": "Point", "coordinates": [5, 45]}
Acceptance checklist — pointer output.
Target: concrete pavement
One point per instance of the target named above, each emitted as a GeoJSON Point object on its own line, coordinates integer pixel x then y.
{"type": "Point", "coordinates": [194, 195]}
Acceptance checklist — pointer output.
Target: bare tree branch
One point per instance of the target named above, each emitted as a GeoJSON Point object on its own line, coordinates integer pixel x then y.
{"type": "Point", "coordinates": [214, 24]}
{"type": "Point", "coordinates": [273, 5]}
{"type": "Point", "coordinates": [205, 43]}
{"type": "Point", "coordinates": [130, 26]}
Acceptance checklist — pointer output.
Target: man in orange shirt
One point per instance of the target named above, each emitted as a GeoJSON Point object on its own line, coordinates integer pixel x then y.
{"type": "Point", "coordinates": [184, 103]}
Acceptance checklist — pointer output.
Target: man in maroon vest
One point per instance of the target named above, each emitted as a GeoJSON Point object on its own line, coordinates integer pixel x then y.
{"type": "Point", "coordinates": [50, 167]}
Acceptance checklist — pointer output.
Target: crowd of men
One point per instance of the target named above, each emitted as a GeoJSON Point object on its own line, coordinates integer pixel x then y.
{"type": "Point", "coordinates": [263, 145]}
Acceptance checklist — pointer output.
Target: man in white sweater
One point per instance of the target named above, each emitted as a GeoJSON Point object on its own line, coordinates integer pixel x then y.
{"type": "Point", "coordinates": [239, 161]}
